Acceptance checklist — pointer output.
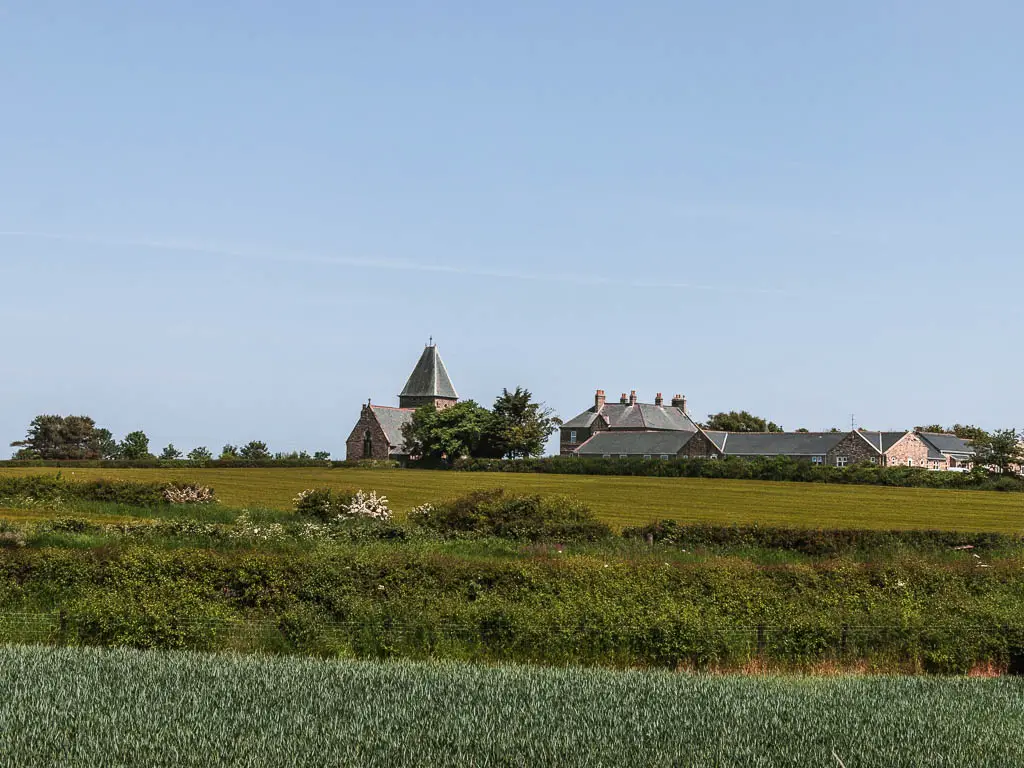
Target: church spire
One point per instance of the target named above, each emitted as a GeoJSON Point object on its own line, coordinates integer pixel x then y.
{"type": "Point", "coordinates": [429, 382]}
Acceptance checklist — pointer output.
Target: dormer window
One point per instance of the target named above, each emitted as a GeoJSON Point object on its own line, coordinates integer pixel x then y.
{"type": "Point", "coordinates": [572, 436]}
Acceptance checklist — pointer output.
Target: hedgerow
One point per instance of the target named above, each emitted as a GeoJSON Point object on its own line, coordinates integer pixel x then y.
{"type": "Point", "coordinates": [55, 488]}
{"type": "Point", "coordinates": [780, 468]}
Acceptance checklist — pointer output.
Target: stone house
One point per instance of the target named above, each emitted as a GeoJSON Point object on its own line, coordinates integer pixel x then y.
{"type": "Point", "coordinates": [630, 429]}
{"type": "Point", "coordinates": [378, 432]}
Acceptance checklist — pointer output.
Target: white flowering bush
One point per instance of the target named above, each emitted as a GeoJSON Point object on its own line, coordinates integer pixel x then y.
{"type": "Point", "coordinates": [188, 494]}
{"type": "Point", "coordinates": [422, 512]}
{"type": "Point", "coordinates": [366, 506]}
{"type": "Point", "coordinates": [244, 528]}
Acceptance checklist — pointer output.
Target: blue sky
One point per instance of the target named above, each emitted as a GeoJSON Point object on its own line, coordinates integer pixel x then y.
{"type": "Point", "coordinates": [228, 221]}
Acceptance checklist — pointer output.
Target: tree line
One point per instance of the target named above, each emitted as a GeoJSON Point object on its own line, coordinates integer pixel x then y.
{"type": "Point", "coordinates": [77, 438]}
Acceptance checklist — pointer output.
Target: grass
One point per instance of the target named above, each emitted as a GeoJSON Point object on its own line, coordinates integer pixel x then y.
{"type": "Point", "coordinates": [622, 501]}
{"type": "Point", "coordinates": [127, 708]}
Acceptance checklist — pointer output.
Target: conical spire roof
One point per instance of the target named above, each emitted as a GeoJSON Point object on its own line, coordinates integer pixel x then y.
{"type": "Point", "coordinates": [430, 378]}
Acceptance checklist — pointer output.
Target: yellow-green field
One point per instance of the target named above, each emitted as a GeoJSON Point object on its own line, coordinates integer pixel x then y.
{"type": "Point", "coordinates": [622, 500]}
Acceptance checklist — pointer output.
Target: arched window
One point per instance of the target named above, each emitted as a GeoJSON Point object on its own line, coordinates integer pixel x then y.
{"type": "Point", "coordinates": [367, 445]}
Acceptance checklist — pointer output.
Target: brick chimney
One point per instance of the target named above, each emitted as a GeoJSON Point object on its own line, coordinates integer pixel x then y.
{"type": "Point", "coordinates": [679, 401]}
{"type": "Point", "coordinates": [623, 400]}
{"type": "Point", "coordinates": [599, 400]}
{"type": "Point", "coordinates": [658, 399]}
{"type": "Point", "coordinates": [632, 397]}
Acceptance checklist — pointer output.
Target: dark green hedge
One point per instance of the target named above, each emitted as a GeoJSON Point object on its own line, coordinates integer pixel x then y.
{"type": "Point", "coordinates": [55, 487]}
{"type": "Point", "coordinates": [816, 542]}
{"type": "Point", "coordinates": [734, 468]}
{"type": "Point", "coordinates": [382, 600]}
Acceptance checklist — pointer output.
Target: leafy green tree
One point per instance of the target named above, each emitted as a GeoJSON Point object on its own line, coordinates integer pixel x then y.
{"type": "Point", "coordinates": [803, 430]}
{"type": "Point", "coordinates": [254, 450]}
{"type": "Point", "coordinates": [446, 434]}
{"type": "Point", "coordinates": [229, 452]}
{"type": "Point", "coordinates": [518, 426]}
{"type": "Point", "coordinates": [62, 437]}
{"type": "Point", "coordinates": [936, 428]}
{"type": "Point", "coordinates": [135, 446]}
{"type": "Point", "coordinates": [106, 445]}
{"type": "Point", "coordinates": [170, 453]}
{"type": "Point", "coordinates": [740, 421]}
{"type": "Point", "coordinates": [200, 455]}
{"type": "Point", "coordinates": [322, 456]}
{"type": "Point", "coordinates": [969, 432]}
{"type": "Point", "coordinates": [1001, 450]}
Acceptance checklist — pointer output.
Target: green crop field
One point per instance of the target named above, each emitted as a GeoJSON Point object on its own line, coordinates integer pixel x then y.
{"type": "Point", "coordinates": [73, 707]}
{"type": "Point", "coordinates": [623, 500]}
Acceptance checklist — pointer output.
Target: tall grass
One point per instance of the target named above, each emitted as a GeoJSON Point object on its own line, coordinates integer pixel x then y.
{"type": "Point", "coordinates": [117, 707]}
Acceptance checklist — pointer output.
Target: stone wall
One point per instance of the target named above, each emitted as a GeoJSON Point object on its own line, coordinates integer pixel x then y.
{"type": "Point", "coordinates": [699, 447]}
{"type": "Point", "coordinates": [855, 448]}
{"type": "Point", "coordinates": [354, 446]}
{"type": "Point", "coordinates": [566, 448]}
{"type": "Point", "coordinates": [910, 447]}
{"type": "Point", "coordinates": [417, 401]}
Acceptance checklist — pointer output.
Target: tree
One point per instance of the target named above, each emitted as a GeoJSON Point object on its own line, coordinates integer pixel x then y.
{"type": "Point", "coordinates": [740, 422]}
{"type": "Point", "coordinates": [969, 432]}
{"type": "Point", "coordinates": [518, 426]}
{"type": "Point", "coordinates": [935, 428]}
{"type": "Point", "coordinates": [322, 456]}
{"type": "Point", "coordinates": [254, 450]}
{"type": "Point", "coordinates": [62, 437]}
{"type": "Point", "coordinates": [229, 452]}
{"type": "Point", "coordinates": [200, 455]}
{"type": "Point", "coordinates": [803, 430]}
{"type": "Point", "coordinates": [1001, 450]}
{"type": "Point", "coordinates": [448, 433]}
{"type": "Point", "coordinates": [135, 446]}
{"type": "Point", "coordinates": [170, 453]}
{"type": "Point", "coordinates": [105, 443]}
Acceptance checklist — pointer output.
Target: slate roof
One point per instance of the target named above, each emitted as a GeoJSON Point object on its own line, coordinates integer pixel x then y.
{"type": "Point", "coordinates": [883, 441]}
{"type": "Point", "coordinates": [944, 444]}
{"type": "Point", "coordinates": [635, 443]}
{"type": "Point", "coordinates": [430, 378]}
{"type": "Point", "coordinates": [640, 417]}
{"type": "Point", "coordinates": [391, 421]}
{"type": "Point", "coordinates": [775, 443]}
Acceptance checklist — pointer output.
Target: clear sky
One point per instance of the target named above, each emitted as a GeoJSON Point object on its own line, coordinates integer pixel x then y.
{"type": "Point", "coordinates": [236, 220]}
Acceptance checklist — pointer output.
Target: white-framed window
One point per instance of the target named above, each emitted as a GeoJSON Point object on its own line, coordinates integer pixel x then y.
{"type": "Point", "coordinates": [647, 455]}
{"type": "Point", "coordinates": [817, 459]}
{"type": "Point", "coordinates": [714, 457]}
{"type": "Point", "coordinates": [623, 456]}
{"type": "Point", "coordinates": [874, 459]}
{"type": "Point", "coordinates": [572, 436]}
{"type": "Point", "coordinates": [842, 461]}
{"type": "Point", "coordinates": [606, 455]}
{"type": "Point", "coordinates": [664, 457]}
{"type": "Point", "coordinates": [910, 462]}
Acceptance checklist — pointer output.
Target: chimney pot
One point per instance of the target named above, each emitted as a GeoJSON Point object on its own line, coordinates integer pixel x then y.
{"type": "Point", "coordinates": [599, 400]}
{"type": "Point", "coordinates": [623, 399]}
{"type": "Point", "coordinates": [632, 397]}
{"type": "Point", "coordinates": [658, 399]}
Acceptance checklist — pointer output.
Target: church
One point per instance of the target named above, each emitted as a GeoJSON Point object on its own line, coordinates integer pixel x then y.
{"type": "Point", "coordinates": [378, 433]}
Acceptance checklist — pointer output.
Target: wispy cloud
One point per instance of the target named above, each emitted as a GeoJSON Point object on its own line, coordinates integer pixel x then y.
{"type": "Point", "coordinates": [396, 265]}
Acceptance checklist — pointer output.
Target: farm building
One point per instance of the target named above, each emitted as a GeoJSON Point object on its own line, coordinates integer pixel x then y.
{"type": "Point", "coordinates": [378, 433]}
{"type": "Point", "coordinates": [631, 429]}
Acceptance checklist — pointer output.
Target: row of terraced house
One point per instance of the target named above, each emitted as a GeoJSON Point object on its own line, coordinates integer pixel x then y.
{"type": "Point", "coordinates": [631, 429]}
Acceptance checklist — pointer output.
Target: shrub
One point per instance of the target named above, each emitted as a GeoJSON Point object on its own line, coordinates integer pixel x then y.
{"type": "Point", "coordinates": [324, 504]}
{"type": "Point", "coordinates": [188, 493]}
{"type": "Point", "coordinates": [368, 506]}
{"type": "Point", "coordinates": [509, 516]}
